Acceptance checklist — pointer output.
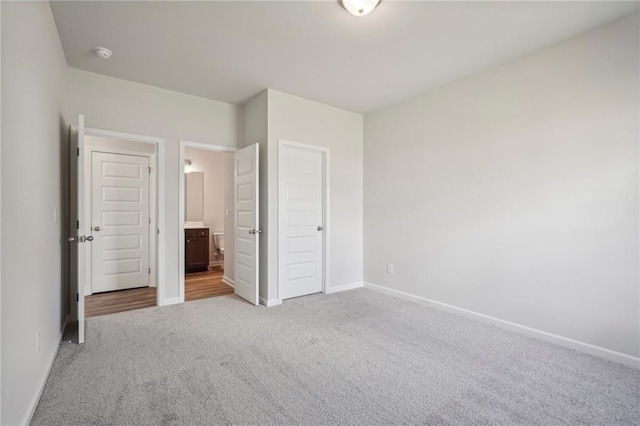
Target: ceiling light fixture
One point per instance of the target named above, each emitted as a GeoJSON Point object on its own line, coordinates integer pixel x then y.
{"type": "Point", "coordinates": [359, 7]}
{"type": "Point", "coordinates": [103, 52]}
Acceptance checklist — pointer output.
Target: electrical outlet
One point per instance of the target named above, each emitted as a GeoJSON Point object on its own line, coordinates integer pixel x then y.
{"type": "Point", "coordinates": [389, 268]}
{"type": "Point", "coordinates": [226, 213]}
{"type": "Point", "coordinates": [38, 341]}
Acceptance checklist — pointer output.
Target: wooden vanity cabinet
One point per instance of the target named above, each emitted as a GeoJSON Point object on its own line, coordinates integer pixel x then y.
{"type": "Point", "coordinates": [196, 249]}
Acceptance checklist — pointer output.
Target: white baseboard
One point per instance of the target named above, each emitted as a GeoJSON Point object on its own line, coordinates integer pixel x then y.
{"type": "Point", "coordinates": [566, 342]}
{"type": "Point", "coordinates": [269, 303]}
{"type": "Point", "coordinates": [345, 287]}
{"type": "Point", "coordinates": [227, 280]}
{"type": "Point", "coordinates": [43, 381]}
{"type": "Point", "coordinates": [170, 301]}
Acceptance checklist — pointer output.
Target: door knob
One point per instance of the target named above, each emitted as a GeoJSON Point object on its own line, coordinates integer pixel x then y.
{"type": "Point", "coordinates": [96, 228]}
{"type": "Point", "coordinates": [80, 239]}
{"type": "Point", "coordinates": [255, 231]}
{"type": "Point", "coordinates": [320, 228]}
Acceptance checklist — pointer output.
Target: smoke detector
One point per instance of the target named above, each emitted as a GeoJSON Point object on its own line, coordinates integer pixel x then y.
{"type": "Point", "coordinates": [103, 52]}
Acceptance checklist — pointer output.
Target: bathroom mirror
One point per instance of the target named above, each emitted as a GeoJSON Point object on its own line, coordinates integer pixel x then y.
{"type": "Point", "coordinates": [194, 194]}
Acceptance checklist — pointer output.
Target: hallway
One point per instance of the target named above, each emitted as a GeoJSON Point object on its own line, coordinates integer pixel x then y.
{"type": "Point", "coordinates": [199, 285]}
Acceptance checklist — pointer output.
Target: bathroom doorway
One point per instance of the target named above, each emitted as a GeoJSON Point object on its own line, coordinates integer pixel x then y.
{"type": "Point", "coordinates": [206, 218]}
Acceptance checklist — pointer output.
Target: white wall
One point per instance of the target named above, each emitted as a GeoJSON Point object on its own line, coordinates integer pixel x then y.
{"type": "Point", "coordinates": [34, 150]}
{"type": "Point", "coordinates": [123, 106]}
{"type": "Point", "coordinates": [255, 131]}
{"type": "Point", "coordinates": [255, 120]}
{"type": "Point", "coordinates": [229, 228]}
{"type": "Point", "coordinates": [218, 172]}
{"type": "Point", "coordinates": [514, 193]}
{"type": "Point", "coordinates": [119, 145]}
{"type": "Point", "coordinates": [304, 121]}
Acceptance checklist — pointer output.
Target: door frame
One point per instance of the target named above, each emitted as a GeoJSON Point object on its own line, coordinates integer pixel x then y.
{"type": "Point", "coordinates": [325, 153]}
{"type": "Point", "coordinates": [181, 213]}
{"type": "Point", "coordinates": [157, 180]}
{"type": "Point", "coordinates": [153, 210]}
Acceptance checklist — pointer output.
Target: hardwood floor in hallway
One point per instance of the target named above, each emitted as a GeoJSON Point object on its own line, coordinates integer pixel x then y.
{"type": "Point", "coordinates": [199, 285]}
{"type": "Point", "coordinates": [202, 285]}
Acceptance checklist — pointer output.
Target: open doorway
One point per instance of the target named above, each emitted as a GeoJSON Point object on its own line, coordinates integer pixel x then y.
{"type": "Point", "coordinates": [121, 213]}
{"type": "Point", "coordinates": [207, 219]}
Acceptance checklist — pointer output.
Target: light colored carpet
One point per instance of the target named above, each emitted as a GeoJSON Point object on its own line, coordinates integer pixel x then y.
{"type": "Point", "coordinates": [358, 357]}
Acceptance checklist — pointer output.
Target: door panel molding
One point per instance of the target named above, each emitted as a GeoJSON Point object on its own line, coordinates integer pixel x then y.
{"type": "Point", "coordinates": [153, 207]}
{"type": "Point", "coordinates": [130, 207]}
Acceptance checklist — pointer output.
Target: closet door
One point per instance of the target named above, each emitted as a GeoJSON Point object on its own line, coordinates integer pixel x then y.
{"type": "Point", "coordinates": [300, 221]}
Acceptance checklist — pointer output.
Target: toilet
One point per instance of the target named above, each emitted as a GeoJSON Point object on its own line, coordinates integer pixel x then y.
{"type": "Point", "coordinates": [218, 245]}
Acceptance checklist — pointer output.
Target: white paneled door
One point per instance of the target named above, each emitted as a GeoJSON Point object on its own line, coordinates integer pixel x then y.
{"type": "Point", "coordinates": [301, 221]}
{"type": "Point", "coordinates": [81, 238]}
{"type": "Point", "coordinates": [247, 230]}
{"type": "Point", "coordinates": [120, 221]}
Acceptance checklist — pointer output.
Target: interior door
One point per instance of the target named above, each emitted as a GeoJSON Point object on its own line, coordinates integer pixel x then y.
{"type": "Point", "coordinates": [247, 231]}
{"type": "Point", "coordinates": [81, 230]}
{"type": "Point", "coordinates": [120, 221]}
{"type": "Point", "coordinates": [301, 221]}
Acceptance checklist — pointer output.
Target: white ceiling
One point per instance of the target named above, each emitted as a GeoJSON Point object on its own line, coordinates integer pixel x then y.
{"type": "Point", "coordinates": [230, 51]}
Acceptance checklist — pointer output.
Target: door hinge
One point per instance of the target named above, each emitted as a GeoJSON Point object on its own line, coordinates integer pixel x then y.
{"type": "Point", "coordinates": [158, 231]}
{"type": "Point", "coordinates": [77, 152]}
{"type": "Point", "coordinates": [77, 224]}
{"type": "Point", "coordinates": [149, 170]}
{"type": "Point", "coordinates": [149, 271]}
{"type": "Point", "coordinates": [77, 297]}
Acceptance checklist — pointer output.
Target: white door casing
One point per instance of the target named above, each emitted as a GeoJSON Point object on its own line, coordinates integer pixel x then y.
{"type": "Point", "coordinates": [246, 223]}
{"type": "Point", "coordinates": [301, 221]}
{"type": "Point", "coordinates": [120, 221]}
